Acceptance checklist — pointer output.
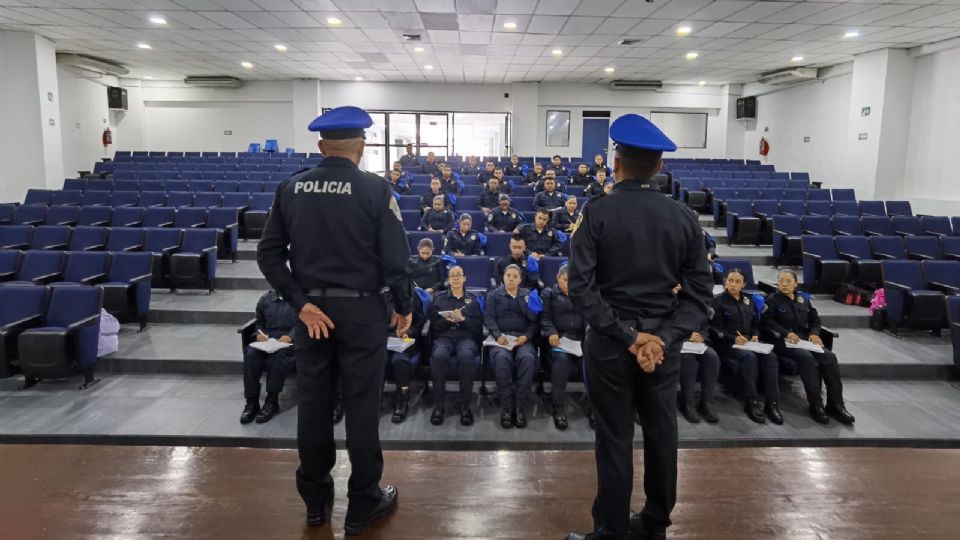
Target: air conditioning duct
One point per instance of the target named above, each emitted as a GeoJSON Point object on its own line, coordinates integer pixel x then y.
{"type": "Point", "coordinates": [635, 85]}
{"type": "Point", "coordinates": [91, 63]}
{"type": "Point", "coordinates": [788, 76]}
{"type": "Point", "coordinates": [215, 81]}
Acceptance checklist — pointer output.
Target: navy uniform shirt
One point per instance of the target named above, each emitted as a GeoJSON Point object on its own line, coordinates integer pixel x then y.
{"type": "Point", "coordinates": [427, 274]}
{"type": "Point", "coordinates": [484, 176]}
{"type": "Point", "coordinates": [549, 200]}
{"type": "Point", "coordinates": [467, 170]}
{"type": "Point", "coordinates": [437, 221]}
{"type": "Point", "coordinates": [275, 317]}
{"type": "Point", "coordinates": [500, 221]}
{"type": "Point", "coordinates": [783, 315]}
{"type": "Point", "coordinates": [338, 227]}
{"type": "Point", "coordinates": [559, 186]}
{"type": "Point", "coordinates": [513, 171]}
{"type": "Point", "coordinates": [489, 199]}
{"type": "Point", "coordinates": [401, 187]}
{"type": "Point", "coordinates": [594, 169]}
{"type": "Point", "coordinates": [505, 314]}
{"type": "Point", "coordinates": [533, 178]}
{"type": "Point", "coordinates": [530, 280]}
{"type": "Point", "coordinates": [594, 189]}
{"type": "Point", "coordinates": [579, 180]}
{"type": "Point", "coordinates": [560, 317]}
{"type": "Point", "coordinates": [563, 220]}
{"type": "Point", "coordinates": [731, 316]}
{"type": "Point", "coordinates": [468, 244]}
{"type": "Point", "coordinates": [560, 169]}
{"type": "Point", "coordinates": [430, 168]}
{"type": "Point", "coordinates": [426, 200]}
{"type": "Point", "coordinates": [632, 247]}
{"type": "Point", "coordinates": [408, 160]}
{"type": "Point", "coordinates": [469, 307]}
{"type": "Point", "coordinates": [543, 242]}
{"type": "Point", "coordinates": [450, 186]}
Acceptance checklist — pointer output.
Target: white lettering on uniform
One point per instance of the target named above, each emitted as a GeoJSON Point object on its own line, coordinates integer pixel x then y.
{"type": "Point", "coordinates": [335, 187]}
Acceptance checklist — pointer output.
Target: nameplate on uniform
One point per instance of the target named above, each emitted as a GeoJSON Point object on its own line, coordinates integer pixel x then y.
{"type": "Point", "coordinates": [332, 187]}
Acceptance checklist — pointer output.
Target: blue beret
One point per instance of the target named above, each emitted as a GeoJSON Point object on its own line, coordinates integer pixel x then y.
{"type": "Point", "coordinates": [632, 131]}
{"type": "Point", "coordinates": [342, 123]}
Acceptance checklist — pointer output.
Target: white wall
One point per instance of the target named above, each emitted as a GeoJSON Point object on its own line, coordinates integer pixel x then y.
{"type": "Point", "coordinates": [932, 183]}
{"type": "Point", "coordinates": [84, 115]}
{"type": "Point", "coordinates": [818, 110]}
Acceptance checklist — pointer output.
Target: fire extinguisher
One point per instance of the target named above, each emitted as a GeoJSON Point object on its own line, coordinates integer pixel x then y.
{"type": "Point", "coordinates": [764, 146]}
{"type": "Point", "coordinates": [107, 137]}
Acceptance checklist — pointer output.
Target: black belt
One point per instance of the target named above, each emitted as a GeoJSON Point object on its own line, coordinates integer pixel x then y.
{"type": "Point", "coordinates": [642, 324]}
{"type": "Point", "coordinates": [335, 292]}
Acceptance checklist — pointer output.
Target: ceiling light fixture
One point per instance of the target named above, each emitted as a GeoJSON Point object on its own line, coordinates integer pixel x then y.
{"type": "Point", "coordinates": [158, 20]}
{"type": "Point", "coordinates": [147, 77]}
{"type": "Point", "coordinates": [247, 65]}
{"type": "Point", "coordinates": [510, 25]}
{"type": "Point", "coordinates": [418, 49]}
{"type": "Point", "coordinates": [280, 47]}
{"type": "Point", "coordinates": [609, 70]}
{"type": "Point", "coordinates": [556, 52]}
{"type": "Point", "coordinates": [701, 83]}
{"type": "Point", "coordinates": [797, 59]}
{"type": "Point", "coordinates": [333, 21]}
{"type": "Point", "coordinates": [851, 34]}
{"type": "Point", "coordinates": [428, 66]}
{"type": "Point", "coordinates": [144, 46]}
{"type": "Point", "coordinates": [692, 55]}
{"type": "Point", "coordinates": [358, 78]}
{"type": "Point", "coordinates": [683, 31]}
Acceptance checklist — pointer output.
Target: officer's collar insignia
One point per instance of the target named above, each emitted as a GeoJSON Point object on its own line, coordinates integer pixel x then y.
{"type": "Point", "coordinates": [524, 264]}
{"type": "Point", "coordinates": [799, 299]}
{"type": "Point", "coordinates": [467, 300]}
{"type": "Point", "coordinates": [514, 216]}
{"type": "Point", "coordinates": [472, 236]}
{"type": "Point", "coordinates": [746, 300]}
{"type": "Point", "coordinates": [549, 233]}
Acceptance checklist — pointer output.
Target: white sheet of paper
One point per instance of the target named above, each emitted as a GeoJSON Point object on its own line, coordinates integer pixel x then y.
{"type": "Point", "coordinates": [270, 346]}
{"type": "Point", "coordinates": [805, 345]}
{"type": "Point", "coordinates": [451, 313]}
{"type": "Point", "coordinates": [761, 348]}
{"type": "Point", "coordinates": [395, 344]}
{"type": "Point", "coordinates": [511, 342]}
{"type": "Point", "coordinates": [690, 347]}
{"type": "Point", "coordinates": [572, 347]}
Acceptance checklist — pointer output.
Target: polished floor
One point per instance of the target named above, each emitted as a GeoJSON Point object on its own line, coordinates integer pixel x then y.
{"type": "Point", "coordinates": [87, 492]}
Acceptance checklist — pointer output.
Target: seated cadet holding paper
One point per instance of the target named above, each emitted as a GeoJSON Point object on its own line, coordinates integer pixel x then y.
{"type": "Point", "coordinates": [561, 320]}
{"type": "Point", "coordinates": [707, 365]}
{"type": "Point", "coordinates": [506, 314]}
{"type": "Point", "coordinates": [790, 316]}
{"type": "Point", "coordinates": [275, 320]}
{"type": "Point", "coordinates": [402, 363]}
{"type": "Point", "coordinates": [735, 323]}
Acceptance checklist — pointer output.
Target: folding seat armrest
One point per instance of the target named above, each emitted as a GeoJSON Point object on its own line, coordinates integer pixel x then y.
{"type": "Point", "coordinates": [168, 250]}
{"type": "Point", "coordinates": [34, 222]}
{"type": "Point", "coordinates": [47, 278]}
{"type": "Point", "coordinates": [847, 256]}
{"type": "Point", "coordinates": [165, 224]}
{"type": "Point", "coordinates": [827, 336]}
{"type": "Point", "coordinates": [16, 246]}
{"type": "Point", "coordinates": [74, 327]}
{"type": "Point", "coordinates": [99, 223]}
{"type": "Point", "coordinates": [210, 251]}
{"type": "Point", "coordinates": [55, 247]}
{"type": "Point", "coordinates": [247, 331]}
{"type": "Point", "coordinates": [934, 233]}
{"type": "Point", "coordinates": [95, 247]}
{"type": "Point", "coordinates": [5, 221]}
{"type": "Point", "coordinates": [841, 233]}
{"type": "Point", "coordinates": [94, 279]}
{"type": "Point", "coordinates": [813, 256]}
{"type": "Point", "coordinates": [140, 279]}
{"type": "Point", "coordinates": [134, 224]}
{"type": "Point", "coordinates": [762, 215]}
{"type": "Point", "coordinates": [951, 256]}
{"type": "Point", "coordinates": [944, 288]}
{"type": "Point", "coordinates": [734, 215]}
{"type": "Point", "coordinates": [16, 327]}
{"type": "Point", "coordinates": [247, 326]}
{"type": "Point", "coordinates": [7, 276]}
{"type": "Point", "coordinates": [137, 247]}
{"type": "Point", "coordinates": [767, 287]}
{"type": "Point", "coordinates": [867, 232]}
{"type": "Point", "coordinates": [195, 225]}
{"type": "Point", "coordinates": [919, 257]}
{"type": "Point", "coordinates": [905, 234]}
{"type": "Point", "coordinates": [896, 286]}
{"type": "Point", "coordinates": [68, 223]}
{"type": "Point", "coordinates": [885, 257]}
{"type": "Point", "coordinates": [781, 233]}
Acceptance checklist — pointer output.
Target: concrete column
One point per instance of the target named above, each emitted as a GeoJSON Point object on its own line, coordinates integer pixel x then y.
{"type": "Point", "coordinates": [306, 107]}
{"type": "Point", "coordinates": [524, 99]}
{"type": "Point", "coordinates": [31, 142]}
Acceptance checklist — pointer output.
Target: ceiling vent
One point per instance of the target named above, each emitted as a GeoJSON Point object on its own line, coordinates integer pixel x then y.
{"type": "Point", "coordinates": [411, 37]}
{"type": "Point", "coordinates": [214, 81]}
{"type": "Point", "coordinates": [91, 63]}
{"type": "Point", "coordinates": [626, 41]}
{"type": "Point", "coordinates": [788, 76]}
{"type": "Point", "coordinates": [635, 85]}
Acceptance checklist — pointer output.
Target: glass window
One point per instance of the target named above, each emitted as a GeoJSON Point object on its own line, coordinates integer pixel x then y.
{"type": "Point", "coordinates": [403, 129]}
{"type": "Point", "coordinates": [433, 131]}
{"type": "Point", "coordinates": [558, 128]}
{"type": "Point", "coordinates": [480, 134]}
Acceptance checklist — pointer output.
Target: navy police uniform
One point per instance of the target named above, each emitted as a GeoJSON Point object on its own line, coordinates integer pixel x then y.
{"type": "Point", "coordinates": [427, 274]}
{"type": "Point", "coordinates": [433, 169]}
{"type": "Point", "coordinates": [594, 189]}
{"type": "Point", "coordinates": [563, 220]}
{"type": "Point", "coordinates": [629, 251]}
{"type": "Point", "coordinates": [533, 178]}
{"type": "Point", "coordinates": [500, 221]}
{"type": "Point", "coordinates": [467, 170]}
{"type": "Point", "coordinates": [409, 160]}
{"type": "Point", "coordinates": [339, 230]}
{"type": "Point", "coordinates": [562, 319]}
{"type": "Point", "coordinates": [426, 200]}
{"type": "Point", "coordinates": [528, 278]}
{"type": "Point", "coordinates": [456, 346]}
{"type": "Point", "coordinates": [549, 201]}
{"type": "Point", "coordinates": [581, 179]}
{"type": "Point", "coordinates": [437, 221]}
{"type": "Point", "coordinates": [275, 319]}
{"type": "Point", "coordinates": [733, 317]}
{"type": "Point", "coordinates": [504, 314]}
{"type": "Point", "coordinates": [513, 171]}
{"type": "Point", "coordinates": [467, 244]}
{"type": "Point", "coordinates": [489, 199]}
{"type": "Point", "coordinates": [545, 242]}
{"type": "Point", "coordinates": [704, 366]}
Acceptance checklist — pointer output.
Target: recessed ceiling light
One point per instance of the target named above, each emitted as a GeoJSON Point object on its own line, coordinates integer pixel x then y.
{"type": "Point", "coordinates": [556, 52]}
{"type": "Point", "coordinates": [428, 66]}
{"type": "Point", "coordinates": [683, 31]}
{"type": "Point", "coordinates": [333, 21]}
{"type": "Point", "coordinates": [692, 55]}
{"type": "Point", "coordinates": [247, 65]}
{"type": "Point", "coordinates": [418, 49]}
{"type": "Point", "coordinates": [701, 83]}
{"type": "Point", "coordinates": [158, 20]}
{"type": "Point", "coordinates": [510, 25]}
{"type": "Point", "coordinates": [280, 47]}
{"type": "Point", "coordinates": [144, 46]}
{"type": "Point", "coordinates": [147, 77]}
{"type": "Point", "coordinates": [851, 34]}
{"type": "Point", "coordinates": [609, 70]}
{"type": "Point", "coordinates": [358, 78]}
{"type": "Point", "coordinates": [797, 59]}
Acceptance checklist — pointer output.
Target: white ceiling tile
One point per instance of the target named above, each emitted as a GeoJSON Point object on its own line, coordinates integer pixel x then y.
{"type": "Point", "coordinates": [226, 19]}
{"type": "Point", "coordinates": [475, 38]}
{"type": "Point", "coordinates": [191, 20]}
{"type": "Point", "coordinates": [720, 29]}
{"type": "Point", "coordinates": [557, 7]}
{"type": "Point", "coordinates": [716, 11]}
{"type": "Point", "coordinates": [444, 36]}
{"type": "Point", "coordinates": [436, 6]}
{"type": "Point", "coordinates": [651, 27]}
{"type": "Point", "coordinates": [546, 24]}
{"type": "Point", "coordinates": [537, 39]}
{"type": "Point", "coordinates": [633, 8]}
{"type": "Point", "coordinates": [797, 12]}
{"type": "Point", "coordinates": [758, 10]}
{"type": "Point", "coordinates": [475, 22]}
{"type": "Point", "coordinates": [369, 20]}
{"type": "Point", "coordinates": [787, 31]}
{"type": "Point", "coordinates": [581, 25]}
{"type": "Point", "coordinates": [679, 9]}
{"type": "Point", "coordinates": [314, 5]}
{"type": "Point", "coordinates": [516, 7]}
{"type": "Point", "coordinates": [617, 25]}
{"type": "Point", "coordinates": [597, 7]}
{"type": "Point", "coordinates": [506, 38]}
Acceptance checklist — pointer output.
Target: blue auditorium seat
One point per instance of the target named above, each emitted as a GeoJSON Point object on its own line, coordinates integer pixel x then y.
{"type": "Point", "coordinates": [478, 271]}
{"type": "Point", "coordinates": [62, 215]}
{"type": "Point", "coordinates": [160, 243]}
{"type": "Point", "coordinates": [907, 226]}
{"type": "Point", "coordinates": [922, 247]}
{"type": "Point", "coordinates": [793, 207]}
{"type": "Point", "coordinates": [742, 226]}
{"type": "Point", "coordinates": [819, 208]}
{"type": "Point", "coordinates": [74, 184]}
{"type": "Point", "coordinates": [250, 186]}
{"type": "Point", "coordinates": [877, 226]}
{"type": "Point", "coordinates": [410, 219]}
{"type": "Point", "coordinates": [126, 293]}
{"type": "Point", "coordinates": [190, 217]}
{"type": "Point", "coordinates": [549, 266]}
{"type": "Point", "coordinates": [29, 214]}
{"type": "Point", "coordinates": [20, 308]}
{"type": "Point", "coordinates": [50, 237]}
{"type": "Point", "coordinates": [6, 213]}
{"type": "Point", "coordinates": [234, 176]}
{"type": "Point", "coordinates": [124, 239]}
{"type": "Point", "coordinates": [823, 269]}
{"type": "Point", "coordinates": [206, 199]}
{"type": "Point", "coordinates": [765, 209]}
{"type": "Point", "coordinates": [240, 201]}
{"type": "Point", "coordinates": [255, 217]}
{"type": "Point", "coordinates": [936, 226]}
{"type": "Point", "coordinates": [909, 303]}
{"type": "Point", "coordinates": [150, 199]}
{"type": "Point", "coordinates": [794, 195]}
{"type": "Point", "coordinates": [819, 225]}
{"type": "Point", "coordinates": [9, 264]}
{"type": "Point", "coordinates": [195, 265]}
{"type": "Point", "coordinates": [86, 238]}
{"type": "Point", "coordinates": [847, 195]}
{"type": "Point", "coordinates": [523, 204]}
{"type": "Point", "coordinates": [124, 198]}
{"type": "Point", "coordinates": [786, 239]}
{"type": "Point", "coordinates": [465, 203]}
{"type": "Point", "coordinates": [498, 243]}
{"type": "Point", "coordinates": [864, 269]}
{"type": "Point", "coordinates": [226, 222]}
{"type": "Point", "coordinates": [95, 198]}
{"type": "Point", "coordinates": [888, 247]}
{"type": "Point", "coordinates": [94, 216]}
{"type": "Point", "coordinates": [949, 246]}
{"type": "Point", "coordinates": [818, 195]}
{"type": "Point", "coordinates": [844, 225]}
{"type": "Point", "coordinates": [872, 208]}
{"type": "Point", "coordinates": [899, 208]}
{"type": "Point", "coordinates": [953, 316]}
{"type": "Point", "coordinates": [409, 202]}
{"type": "Point", "coordinates": [177, 185]}
{"type": "Point", "coordinates": [67, 341]}
{"type": "Point", "coordinates": [225, 186]}
{"type": "Point", "coordinates": [160, 216]}
{"type": "Point", "coordinates": [126, 185]}
{"type": "Point", "coordinates": [38, 196]}
{"type": "Point", "coordinates": [943, 276]}
{"type": "Point", "coordinates": [846, 208]}
{"type": "Point", "coordinates": [84, 268]}
{"type": "Point", "coordinates": [152, 185]}
{"type": "Point", "coordinates": [40, 267]}
{"type": "Point", "coordinates": [726, 264]}
{"type": "Point", "coordinates": [127, 216]}
{"type": "Point", "coordinates": [178, 199]}
{"type": "Point", "coordinates": [717, 204]}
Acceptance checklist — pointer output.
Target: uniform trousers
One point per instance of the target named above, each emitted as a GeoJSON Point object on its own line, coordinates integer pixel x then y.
{"type": "Point", "coordinates": [355, 355]}
{"type": "Point", "coordinates": [813, 368]}
{"type": "Point", "coordinates": [751, 367]}
{"type": "Point", "coordinates": [514, 373]}
{"type": "Point", "coordinates": [707, 366]}
{"type": "Point", "coordinates": [402, 365]}
{"type": "Point", "coordinates": [458, 353]}
{"type": "Point", "coordinates": [617, 387]}
{"type": "Point", "coordinates": [561, 366]}
{"type": "Point", "coordinates": [277, 365]}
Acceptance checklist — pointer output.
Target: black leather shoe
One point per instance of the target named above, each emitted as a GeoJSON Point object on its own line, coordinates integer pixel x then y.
{"type": "Point", "coordinates": [707, 412]}
{"type": "Point", "coordinates": [466, 416]}
{"type": "Point", "coordinates": [506, 418]}
{"type": "Point", "coordinates": [818, 414]}
{"type": "Point", "coordinates": [319, 518]}
{"type": "Point", "coordinates": [520, 419]}
{"type": "Point", "coordinates": [269, 410]}
{"type": "Point", "coordinates": [638, 529]}
{"type": "Point", "coordinates": [754, 412]}
{"type": "Point", "coordinates": [437, 417]}
{"type": "Point", "coordinates": [591, 419]}
{"type": "Point", "coordinates": [689, 412]}
{"type": "Point", "coordinates": [772, 408]}
{"type": "Point", "coordinates": [560, 417]}
{"type": "Point", "coordinates": [337, 412]}
{"type": "Point", "coordinates": [401, 406]}
{"type": "Point", "coordinates": [388, 503]}
{"type": "Point", "coordinates": [840, 413]}
{"type": "Point", "coordinates": [250, 411]}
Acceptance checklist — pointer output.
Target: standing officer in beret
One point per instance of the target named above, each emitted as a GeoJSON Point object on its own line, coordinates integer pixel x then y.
{"type": "Point", "coordinates": [629, 251]}
{"type": "Point", "coordinates": [339, 229]}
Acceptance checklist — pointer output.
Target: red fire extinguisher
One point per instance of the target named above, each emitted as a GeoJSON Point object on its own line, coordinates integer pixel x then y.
{"type": "Point", "coordinates": [764, 146]}
{"type": "Point", "coordinates": [107, 137]}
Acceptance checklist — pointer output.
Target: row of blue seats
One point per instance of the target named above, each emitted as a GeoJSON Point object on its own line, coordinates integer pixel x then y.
{"type": "Point", "coordinates": [126, 276]}
{"type": "Point", "coordinates": [204, 164]}
{"type": "Point", "coordinates": [787, 249]}
{"type": "Point", "coordinates": [467, 203]}
{"type": "Point", "coordinates": [261, 174]}
{"type": "Point", "coordinates": [222, 186]}
{"type": "Point", "coordinates": [829, 261]}
{"type": "Point", "coordinates": [717, 178]}
{"type": "Point", "coordinates": [182, 258]}
{"type": "Point", "coordinates": [702, 200]}
{"type": "Point", "coordinates": [764, 207]}
{"type": "Point", "coordinates": [145, 198]}
{"type": "Point", "coordinates": [497, 243]}
{"type": "Point", "coordinates": [121, 154]}
{"type": "Point", "coordinates": [699, 191]}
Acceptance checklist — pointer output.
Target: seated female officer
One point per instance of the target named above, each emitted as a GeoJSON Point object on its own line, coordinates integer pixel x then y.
{"type": "Point", "coordinates": [735, 322]}
{"type": "Point", "coordinates": [456, 343]}
{"type": "Point", "coordinates": [400, 365]}
{"type": "Point", "coordinates": [707, 365]}
{"type": "Point", "coordinates": [506, 314]}
{"type": "Point", "coordinates": [788, 316]}
{"type": "Point", "coordinates": [426, 270]}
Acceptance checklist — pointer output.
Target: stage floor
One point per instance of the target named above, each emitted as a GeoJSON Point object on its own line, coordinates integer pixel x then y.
{"type": "Point", "coordinates": [63, 491]}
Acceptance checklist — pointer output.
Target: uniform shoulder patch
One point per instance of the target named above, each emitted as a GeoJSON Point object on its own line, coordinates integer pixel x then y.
{"type": "Point", "coordinates": [467, 299]}
{"type": "Point", "coordinates": [799, 299]}
{"type": "Point", "coordinates": [746, 300]}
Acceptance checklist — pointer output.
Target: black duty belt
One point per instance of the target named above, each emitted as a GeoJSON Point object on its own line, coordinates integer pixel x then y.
{"type": "Point", "coordinates": [642, 324]}
{"type": "Point", "coordinates": [335, 292]}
